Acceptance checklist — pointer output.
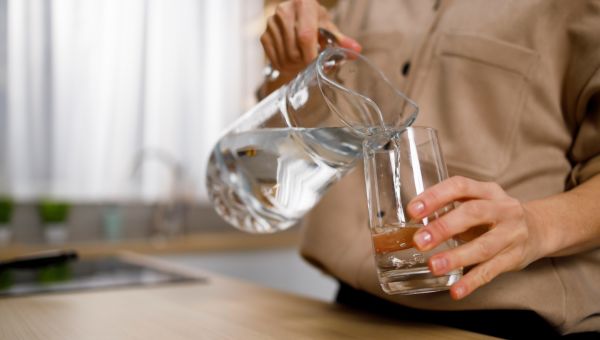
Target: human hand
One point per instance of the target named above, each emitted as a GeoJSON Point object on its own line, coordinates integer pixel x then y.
{"type": "Point", "coordinates": [290, 40]}
{"type": "Point", "coordinates": [510, 243]}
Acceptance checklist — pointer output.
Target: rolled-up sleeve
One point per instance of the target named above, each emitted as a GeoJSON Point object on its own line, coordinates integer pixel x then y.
{"type": "Point", "coordinates": [585, 151]}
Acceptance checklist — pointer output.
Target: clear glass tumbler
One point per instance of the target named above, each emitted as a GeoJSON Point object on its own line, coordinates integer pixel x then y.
{"type": "Point", "coordinates": [399, 165]}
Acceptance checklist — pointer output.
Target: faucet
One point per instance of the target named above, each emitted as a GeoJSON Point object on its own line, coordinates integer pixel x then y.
{"type": "Point", "coordinates": [168, 217]}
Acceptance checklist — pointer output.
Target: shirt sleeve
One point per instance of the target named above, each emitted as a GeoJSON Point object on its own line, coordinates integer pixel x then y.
{"type": "Point", "coordinates": [583, 94]}
{"type": "Point", "coordinates": [585, 151]}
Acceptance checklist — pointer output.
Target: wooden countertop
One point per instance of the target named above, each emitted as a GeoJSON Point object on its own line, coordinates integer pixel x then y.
{"type": "Point", "coordinates": [221, 308]}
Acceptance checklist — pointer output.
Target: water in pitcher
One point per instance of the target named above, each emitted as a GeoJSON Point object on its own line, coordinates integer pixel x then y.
{"type": "Point", "coordinates": [265, 180]}
{"type": "Point", "coordinates": [276, 161]}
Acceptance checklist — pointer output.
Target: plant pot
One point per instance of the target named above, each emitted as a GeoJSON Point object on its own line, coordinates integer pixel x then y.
{"type": "Point", "coordinates": [56, 233]}
{"type": "Point", "coordinates": [5, 234]}
{"type": "Point", "coordinates": [112, 221]}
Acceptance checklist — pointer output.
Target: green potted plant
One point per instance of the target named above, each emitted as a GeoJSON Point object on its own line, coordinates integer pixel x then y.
{"type": "Point", "coordinates": [54, 215]}
{"type": "Point", "coordinates": [6, 212]}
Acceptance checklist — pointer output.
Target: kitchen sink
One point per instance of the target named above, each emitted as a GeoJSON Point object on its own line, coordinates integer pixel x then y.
{"type": "Point", "coordinates": [103, 273]}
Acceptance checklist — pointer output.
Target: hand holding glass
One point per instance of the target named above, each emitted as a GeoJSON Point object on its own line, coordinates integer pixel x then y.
{"type": "Point", "coordinates": [399, 165]}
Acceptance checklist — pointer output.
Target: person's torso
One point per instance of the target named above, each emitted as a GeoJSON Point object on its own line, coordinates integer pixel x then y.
{"type": "Point", "coordinates": [490, 77]}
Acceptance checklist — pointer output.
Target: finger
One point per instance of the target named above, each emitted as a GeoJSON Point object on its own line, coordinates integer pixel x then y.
{"type": "Point", "coordinates": [285, 18]}
{"type": "Point", "coordinates": [267, 44]}
{"type": "Point", "coordinates": [349, 43]}
{"type": "Point", "coordinates": [469, 214]}
{"type": "Point", "coordinates": [453, 189]}
{"type": "Point", "coordinates": [307, 25]}
{"type": "Point", "coordinates": [479, 276]}
{"type": "Point", "coordinates": [343, 40]}
{"type": "Point", "coordinates": [480, 250]}
{"type": "Point", "coordinates": [277, 42]}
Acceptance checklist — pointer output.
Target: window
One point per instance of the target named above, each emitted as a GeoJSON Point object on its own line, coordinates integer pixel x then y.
{"type": "Point", "coordinates": [102, 100]}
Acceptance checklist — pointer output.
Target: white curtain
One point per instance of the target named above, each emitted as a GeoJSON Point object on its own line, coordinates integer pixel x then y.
{"type": "Point", "coordinates": [89, 86]}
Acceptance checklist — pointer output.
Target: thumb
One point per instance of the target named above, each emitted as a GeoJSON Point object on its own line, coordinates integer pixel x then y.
{"type": "Point", "coordinates": [344, 40]}
{"type": "Point", "coordinates": [349, 43]}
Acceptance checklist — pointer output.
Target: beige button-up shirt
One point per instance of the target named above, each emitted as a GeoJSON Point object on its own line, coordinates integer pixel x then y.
{"type": "Point", "coordinates": [513, 87]}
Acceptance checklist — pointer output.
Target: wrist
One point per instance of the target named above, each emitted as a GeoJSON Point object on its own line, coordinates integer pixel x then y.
{"type": "Point", "coordinates": [544, 240]}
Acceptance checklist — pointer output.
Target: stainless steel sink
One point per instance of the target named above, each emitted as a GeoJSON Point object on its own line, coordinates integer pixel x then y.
{"type": "Point", "coordinates": [85, 275]}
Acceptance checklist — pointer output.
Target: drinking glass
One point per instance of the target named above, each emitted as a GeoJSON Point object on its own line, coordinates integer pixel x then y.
{"type": "Point", "coordinates": [399, 165]}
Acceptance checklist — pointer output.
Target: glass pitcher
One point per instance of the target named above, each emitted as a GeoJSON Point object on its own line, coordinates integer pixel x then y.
{"type": "Point", "coordinates": [275, 162]}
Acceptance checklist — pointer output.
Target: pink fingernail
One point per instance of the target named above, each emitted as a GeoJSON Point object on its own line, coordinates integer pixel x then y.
{"type": "Point", "coordinates": [422, 238]}
{"type": "Point", "coordinates": [417, 207]}
{"type": "Point", "coordinates": [439, 264]}
{"type": "Point", "coordinates": [351, 44]}
{"type": "Point", "coordinates": [356, 46]}
{"type": "Point", "coordinates": [459, 292]}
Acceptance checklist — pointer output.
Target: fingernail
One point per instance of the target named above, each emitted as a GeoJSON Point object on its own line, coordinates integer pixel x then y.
{"type": "Point", "coordinates": [422, 238]}
{"type": "Point", "coordinates": [351, 44]}
{"type": "Point", "coordinates": [417, 207]}
{"type": "Point", "coordinates": [356, 46]}
{"type": "Point", "coordinates": [459, 292]}
{"type": "Point", "coordinates": [438, 265]}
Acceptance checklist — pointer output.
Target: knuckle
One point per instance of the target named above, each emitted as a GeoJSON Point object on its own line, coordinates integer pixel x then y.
{"type": "Point", "coordinates": [494, 187]}
{"type": "Point", "coordinates": [517, 207]}
{"type": "Point", "coordinates": [441, 227]}
{"type": "Point", "coordinates": [473, 209]}
{"type": "Point", "coordinates": [485, 275]}
{"type": "Point", "coordinates": [282, 12]}
{"type": "Point", "coordinates": [286, 63]}
{"type": "Point", "coordinates": [521, 235]}
{"type": "Point", "coordinates": [484, 249]}
{"type": "Point", "coordinates": [293, 56]}
{"type": "Point", "coordinates": [459, 183]}
{"type": "Point", "coordinates": [271, 24]}
{"type": "Point", "coordinates": [305, 2]}
{"type": "Point", "coordinates": [520, 266]}
{"type": "Point", "coordinates": [520, 261]}
{"type": "Point", "coordinates": [431, 196]}
{"type": "Point", "coordinates": [513, 208]}
{"type": "Point", "coordinates": [306, 36]}
{"type": "Point", "coordinates": [264, 39]}
{"type": "Point", "coordinates": [324, 15]}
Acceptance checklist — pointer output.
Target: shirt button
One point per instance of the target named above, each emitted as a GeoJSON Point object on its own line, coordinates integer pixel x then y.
{"type": "Point", "coordinates": [406, 68]}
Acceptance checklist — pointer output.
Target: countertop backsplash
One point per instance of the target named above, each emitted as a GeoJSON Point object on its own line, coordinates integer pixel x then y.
{"type": "Point", "coordinates": [86, 222]}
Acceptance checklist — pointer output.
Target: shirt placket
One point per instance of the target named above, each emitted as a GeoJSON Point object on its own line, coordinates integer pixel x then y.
{"type": "Point", "coordinates": [416, 68]}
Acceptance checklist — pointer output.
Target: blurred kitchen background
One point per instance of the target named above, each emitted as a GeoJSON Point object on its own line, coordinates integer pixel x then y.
{"type": "Point", "coordinates": [108, 112]}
